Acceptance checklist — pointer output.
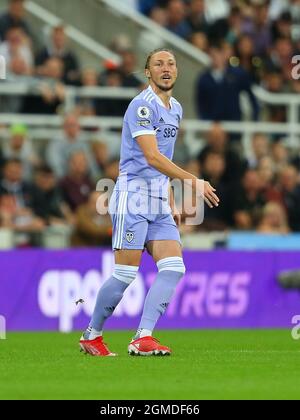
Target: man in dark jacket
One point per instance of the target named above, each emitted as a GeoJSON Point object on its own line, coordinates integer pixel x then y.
{"type": "Point", "coordinates": [218, 90]}
{"type": "Point", "coordinates": [14, 17]}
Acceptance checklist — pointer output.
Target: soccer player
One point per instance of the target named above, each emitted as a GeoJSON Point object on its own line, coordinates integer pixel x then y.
{"type": "Point", "coordinates": [150, 129]}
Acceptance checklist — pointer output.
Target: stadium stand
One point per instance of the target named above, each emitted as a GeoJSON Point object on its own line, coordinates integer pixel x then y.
{"type": "Point", "coordinates": [67, 88]}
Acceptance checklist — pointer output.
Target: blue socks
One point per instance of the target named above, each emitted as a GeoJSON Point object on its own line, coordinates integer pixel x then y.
{"type": "Point", "coordinates": [108, 298]}
{"type": "Point", "coordinates": [171, 270]}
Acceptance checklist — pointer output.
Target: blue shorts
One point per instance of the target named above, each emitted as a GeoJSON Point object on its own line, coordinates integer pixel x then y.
{"type": "Point", "coordinates": [138, 219]}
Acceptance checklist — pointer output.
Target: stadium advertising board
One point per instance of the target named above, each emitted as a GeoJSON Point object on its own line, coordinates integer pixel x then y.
{"type": "Point", "coordinates": [39, 290]}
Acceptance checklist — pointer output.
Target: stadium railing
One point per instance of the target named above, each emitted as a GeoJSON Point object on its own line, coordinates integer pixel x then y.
{"type": "Point", "coordinates": [73, 33]}
{"type": "Point", "coordinates": [289, 130]}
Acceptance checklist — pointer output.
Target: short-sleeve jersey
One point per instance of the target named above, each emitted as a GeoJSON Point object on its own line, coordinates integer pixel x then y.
{"type": "Point", "coordinates": [146, 114]}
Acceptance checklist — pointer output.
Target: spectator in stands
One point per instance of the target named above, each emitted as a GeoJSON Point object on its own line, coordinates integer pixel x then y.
{"type": "Point", "coordinates": [101, 155]}
{"type": "Point", "coordinates": [280, 58]}
{"type": "Point", "coordinates": [159, 15]}
{"type": "Point", "coordinates": [282, 27]}
{"type": "Point", "coordinates": [127, 70]}
{"type": "Point", "coordinates": [92, 228]}
{"type": "Point", "coordinates": [252, 64]}
{"type": "Point", "coordinates": [15, 203]}
{"type": "Point", "coordinates": [249, 201]}
{"type": "Point", "coordinates": [273, 219]}
{"type": "Point", "coordinates": [214, 166]}
{"type": "Point", "coordinates": [17, 52]}
{"type": "Point", "coordinates": [218, 90]}
{"type": "Point", "coordinates": [112, 170]}
{"type": "Point", "coordinates": [19, 220]}
{"type": "Point", "coordinates": [267, 174]}
{"type": "Point", "coordinates": [58, 47]}
{"type": "Point", "coordinates": [89, 78]}
{"type": "Point", "coordinates": [217, 12]}
{"type": "Point", "coordinates": [20, 147]}
{"type": "Point", "coordinates": [235, 21]}
{"type": "Point", "coordinates": [77, 185]}
{"type": "Point", "coordinates": [196, 17]}
{"type": "Point", "coordinates": [290, 188]}
{"type": "Point", "coordinates": [46, 198]}
{"type": "Point", "coordinates": [12, 183]}
{"type": "Point", "coordinates": [50, 90]}
{"type": "Point", "coordinates": [176, 10]}
{"type": "Point", "coordinates": [111, 106]}
{"type": "Point", "coordinates": [280, 155]}
{"type": "Point", "coordinates": [259, 28]}
{"type": "Point", "coordinates": [200, 41]}
{"type": "Point", "coordinates": [217, 141]}
{"type": "Point", "coordinates": [15, 16]}
{"type": "Point", "coordinates": [273, 82]}
{"type": "Point", "coordinates": [118, 76]}
{"type": "Point", "coordinates": [59, 150]}
{"type": "Point", "coordinates": [260, 146]}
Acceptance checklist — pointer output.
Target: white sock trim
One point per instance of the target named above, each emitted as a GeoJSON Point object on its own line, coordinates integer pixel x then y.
{"type": "Point", "coordinates": [93, 333]}
{"type": "Point", "coordinates": [125, 273]}
{"type": "Point", "coordinates": [142, 332]}
{"type": "Point", "coordinates": [171, 264]}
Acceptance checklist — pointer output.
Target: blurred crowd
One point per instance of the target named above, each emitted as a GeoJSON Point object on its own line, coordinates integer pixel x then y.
{"type": "Point", "coordinates": [259, 36]}
{"type": "Point", "coordinates": [55, 186]}
{"type": "Point", "coordinates": [259, 192]}
{"type": "Point", "coordinates": [49, 67]}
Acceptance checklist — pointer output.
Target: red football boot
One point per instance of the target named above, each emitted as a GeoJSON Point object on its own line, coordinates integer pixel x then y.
{"type": "Point", "coordinates": [147, 346]}
{"type": "Point", "coordinates": [95, 347]}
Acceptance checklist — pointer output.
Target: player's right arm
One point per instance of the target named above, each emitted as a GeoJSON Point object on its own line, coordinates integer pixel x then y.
{"type": "Point", "coordinates": [140, 118]}
{"type": "Point", "coordinates": [157, 160]}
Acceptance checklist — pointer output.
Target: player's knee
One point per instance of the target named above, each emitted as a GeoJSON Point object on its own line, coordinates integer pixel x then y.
{"type": "Point", "coordinates": [175, 264]}
{"type": "Point", "coordinates": [125, 273]}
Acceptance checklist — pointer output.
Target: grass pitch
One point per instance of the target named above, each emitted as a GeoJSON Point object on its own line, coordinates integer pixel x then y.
{"type": "Point", "coordinates": [260, 364]}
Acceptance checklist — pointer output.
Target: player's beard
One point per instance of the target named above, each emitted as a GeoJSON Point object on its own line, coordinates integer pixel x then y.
{"type": "Point", "coordinates": [164, 88]}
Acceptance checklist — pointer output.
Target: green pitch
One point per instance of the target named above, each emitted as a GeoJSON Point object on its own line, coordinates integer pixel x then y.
{"type": "Point", "coordinates": [205, 365]}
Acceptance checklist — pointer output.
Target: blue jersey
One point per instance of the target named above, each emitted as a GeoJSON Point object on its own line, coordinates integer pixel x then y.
{"type": "Point", "coordinates": [146, 114]}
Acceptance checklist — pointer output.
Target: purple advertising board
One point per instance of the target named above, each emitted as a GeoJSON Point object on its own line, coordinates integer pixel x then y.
{"type": "Point", "coordinates": [221, 289]}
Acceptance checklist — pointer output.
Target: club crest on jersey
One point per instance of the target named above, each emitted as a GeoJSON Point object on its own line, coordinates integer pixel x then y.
{"type": "Point", "coordinates": [143, 112]}
{"type": "Point", "coordinates": [129, 236]}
